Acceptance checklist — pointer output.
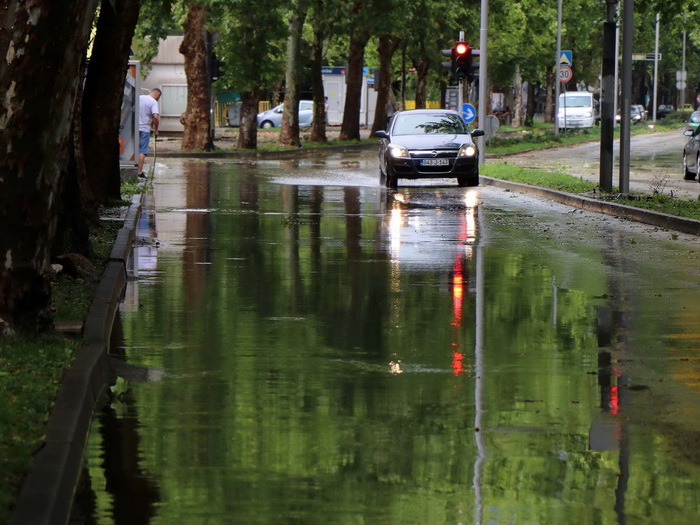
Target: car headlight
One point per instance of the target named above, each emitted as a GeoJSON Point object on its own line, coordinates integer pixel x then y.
{"type": "Point", "coordinates": [467, 150]}
{"type": "Point", "coordinates": [398, 152]}
{"type": "Point", "coordinates": [588, 114]}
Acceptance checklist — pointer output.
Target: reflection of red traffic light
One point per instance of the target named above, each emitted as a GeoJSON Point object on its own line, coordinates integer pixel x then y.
{"type": "Point", "coordinates": [614, 402]}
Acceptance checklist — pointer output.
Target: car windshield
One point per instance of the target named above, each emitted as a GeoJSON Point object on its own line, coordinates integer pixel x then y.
{"type": "Point", "coordinates": [577, 102]}
{"type": "Point", "coordinates": [427, 124]}
{"type": "Point", "coordinates": [694, 117]}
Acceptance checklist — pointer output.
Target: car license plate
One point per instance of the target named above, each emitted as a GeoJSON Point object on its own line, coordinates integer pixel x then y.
{"type": "Point", "coordinates": [435, 162]}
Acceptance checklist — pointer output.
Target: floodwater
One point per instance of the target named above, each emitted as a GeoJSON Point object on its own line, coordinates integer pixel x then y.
{"type": "Point", "coordinates": [302, 346]}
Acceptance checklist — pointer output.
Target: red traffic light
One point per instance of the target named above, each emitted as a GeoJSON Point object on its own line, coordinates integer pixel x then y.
{"type": "Point", "coordinates": [461, 48]}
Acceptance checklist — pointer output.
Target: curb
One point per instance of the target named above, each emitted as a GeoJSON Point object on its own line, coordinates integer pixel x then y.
{"type": "Point", "coordinates": [653, 218]}
{"type": "Point", "coordinates": [47, 493]}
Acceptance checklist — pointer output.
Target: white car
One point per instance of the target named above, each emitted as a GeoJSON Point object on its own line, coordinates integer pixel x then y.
{"type": "Point", "coordinates": [272, 118]}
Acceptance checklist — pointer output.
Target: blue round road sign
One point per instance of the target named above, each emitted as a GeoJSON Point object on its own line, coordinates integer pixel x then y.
{"type": "Point", "coordinates": [468, 113]}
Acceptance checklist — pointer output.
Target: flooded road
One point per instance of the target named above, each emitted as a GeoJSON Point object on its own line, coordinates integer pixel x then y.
{"type": "Point", "coordinates": [308, 348]}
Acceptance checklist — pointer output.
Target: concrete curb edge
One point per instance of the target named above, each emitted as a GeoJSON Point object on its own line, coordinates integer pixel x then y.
{"type": "Point", "coordinates": [47, 493]}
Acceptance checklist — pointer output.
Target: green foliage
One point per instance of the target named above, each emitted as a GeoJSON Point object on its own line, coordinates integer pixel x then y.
{"type": "Point", "coordinates": [30, 372]}
{"type": "Point", "coordinates": [157, 19]}
{"type": "Point", "coordinates": [252, 43]}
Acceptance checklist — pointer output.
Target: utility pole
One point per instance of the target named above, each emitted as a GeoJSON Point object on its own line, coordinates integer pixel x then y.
{"type": "Point", "coordinates": [484, 105]}
{"type": "Point", "coordinates": [625, 122]}
{"type": "Point", "coordinates": [558, 72]}
{"type": "Point", "coordinates": [607, 98]}
{"type": "Point", "coordinates": [656, 69]}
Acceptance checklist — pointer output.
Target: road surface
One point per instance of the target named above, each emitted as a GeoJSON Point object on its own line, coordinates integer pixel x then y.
{"type": "Point", "coordinates": [655, 163]}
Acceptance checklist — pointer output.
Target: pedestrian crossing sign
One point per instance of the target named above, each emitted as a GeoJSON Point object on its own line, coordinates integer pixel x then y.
{"type": "Point", "coordinates": [566, 59]}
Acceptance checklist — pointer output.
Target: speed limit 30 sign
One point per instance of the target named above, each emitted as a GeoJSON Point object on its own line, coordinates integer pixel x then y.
{"type": "Point", "coordinates": [565, 73]}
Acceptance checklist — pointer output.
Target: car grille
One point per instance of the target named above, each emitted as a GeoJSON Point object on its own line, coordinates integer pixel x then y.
{"type": "Point", "coordinates": [426, 154]}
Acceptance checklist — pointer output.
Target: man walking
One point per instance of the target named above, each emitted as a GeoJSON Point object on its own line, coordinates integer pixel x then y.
{"type": "Point", "coordinates": [149, 119]}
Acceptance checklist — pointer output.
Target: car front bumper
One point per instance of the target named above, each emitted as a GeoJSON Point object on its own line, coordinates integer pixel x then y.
{"type": "Point", "coordinates": [415, 168]}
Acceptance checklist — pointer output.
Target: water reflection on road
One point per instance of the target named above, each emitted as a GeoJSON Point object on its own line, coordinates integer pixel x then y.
{"type": "Point", "coordinates": [333, 353]}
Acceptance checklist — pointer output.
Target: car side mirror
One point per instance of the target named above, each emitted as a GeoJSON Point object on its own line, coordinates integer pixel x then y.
{"type": "Point", "coordinates": [688, 133]}
{"type": "Point", "coordinates": [381, 134]}
{"type": "Point", "coordinates": [478, 133]}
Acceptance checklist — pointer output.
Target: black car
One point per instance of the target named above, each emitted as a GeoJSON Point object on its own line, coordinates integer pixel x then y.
{"type": "Point", "coordinates": [428, 143]}
{"type": "Point", "coordinates": [691, 154]}
{"type": "Point", "coordinates": [664, 110]}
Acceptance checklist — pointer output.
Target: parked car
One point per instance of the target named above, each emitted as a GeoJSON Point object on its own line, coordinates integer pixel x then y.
{"type": "Point", "coordinates": [428, 143]}
{"type": "Point", "coordinates": [693, 121]}
{"type": "Point", "coordinates": [691, 153]}
{"type": "Point", "coordinates": [272, 118]}
{"type": "Point", "coordinates": [637, 114]}
{"type": "Point", "coordinates": [664, 110]}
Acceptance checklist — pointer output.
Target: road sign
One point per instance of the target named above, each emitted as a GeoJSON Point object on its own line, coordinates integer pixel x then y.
{"type": "Point", "coordinates": [646, 56]}
{"type": "Point", "coordinates": [680, 84]}
{"type": "Point", "coordinates": [468, 113]}
{"type": "Point", "coordinates": [681, 75]}
{"type": "Point", "coordinates": [492, 125]}
{"type": "Point", "coordinates": [565, 73]}
{"type": "Point", "coordinates": [566, 58]}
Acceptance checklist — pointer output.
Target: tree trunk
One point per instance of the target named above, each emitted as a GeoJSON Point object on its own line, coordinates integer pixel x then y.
{"type": "Point", "coordinates": [318, 126]}
{"type": "Point", "coordinates": [102, 99]}
{"type": "Point", "coordinates": [422, 71]}
{"type": "Point", "coordinates": [195, 48]}
{"type": "Point", "coordinates": [518, 98]}
{"type": "Point", "coordinates": [248, 126]}
{"type": "Point", "coordinates": [289, 134]}
{"type": "Point", "coordinates": [387, 47]}
{"type": "Point", "coordinates": [38, 80]}
{"type": "Point", "coordinates": [350, 128]}
{"type": "Point", "coordinates": [549, 102]}
{"type": "Point", "coordinates": [530, 113]}
{"type": "Point", "coordinates": [77, 209]}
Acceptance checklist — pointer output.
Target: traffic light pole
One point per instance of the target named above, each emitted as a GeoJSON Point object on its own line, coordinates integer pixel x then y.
{"type": "Point", "coordinates": [460, 83]}
{"type": "Point", "coordinates": [484, 104]}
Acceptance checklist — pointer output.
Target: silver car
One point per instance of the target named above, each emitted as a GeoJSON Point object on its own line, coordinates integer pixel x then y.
{"type": "Point", "coordinates": [691, 154]}
{"type": "Point", "coordinates": [272, 118]}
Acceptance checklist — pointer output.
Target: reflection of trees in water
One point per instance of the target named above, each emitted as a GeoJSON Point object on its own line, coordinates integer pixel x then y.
{"type": "Point", "coordinates": [134, 492]}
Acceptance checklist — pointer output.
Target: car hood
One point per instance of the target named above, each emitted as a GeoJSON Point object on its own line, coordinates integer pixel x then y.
{"type": "Point", "coordinates": [431, 141]}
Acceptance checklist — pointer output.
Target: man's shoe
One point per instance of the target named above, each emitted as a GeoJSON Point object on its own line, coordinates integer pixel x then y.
{"type": "Point", "coordinates": [142, 176]}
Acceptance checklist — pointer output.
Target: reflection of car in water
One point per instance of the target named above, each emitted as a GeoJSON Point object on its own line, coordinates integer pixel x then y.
{"type": "Point", "coordinates": [428, 143]}
{"type": "Point", "coordinates": [272, 118]}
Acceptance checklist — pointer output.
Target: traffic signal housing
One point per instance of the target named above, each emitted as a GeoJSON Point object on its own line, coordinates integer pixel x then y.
{"type": "Point", "coordinates": [462, 60]}
{"type": "Point", "coordinates": [461, 64]}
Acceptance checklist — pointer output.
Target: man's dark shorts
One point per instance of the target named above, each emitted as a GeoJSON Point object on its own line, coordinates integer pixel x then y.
{"type": "Point", "coordinates": [144, 137]}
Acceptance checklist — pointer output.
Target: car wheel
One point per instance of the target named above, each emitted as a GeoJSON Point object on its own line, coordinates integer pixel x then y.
{"type": "Point", "coordinates": [472, 179]}
{"type": "Point", "coordinates": [267, 125]}
{"type": "Point", "coordinates": [687, 174]}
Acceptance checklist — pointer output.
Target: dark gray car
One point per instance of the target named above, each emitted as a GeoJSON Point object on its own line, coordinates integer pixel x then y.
{"type": "Point", "coordinates": [428, 143]}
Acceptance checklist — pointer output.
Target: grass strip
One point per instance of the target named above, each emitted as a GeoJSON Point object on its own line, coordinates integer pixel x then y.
{"type": "Point", "coordinates": [31, 370]}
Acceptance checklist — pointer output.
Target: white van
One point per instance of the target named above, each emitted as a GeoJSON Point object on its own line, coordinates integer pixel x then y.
{"type": "Point", "coordinates": [577, 109]}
